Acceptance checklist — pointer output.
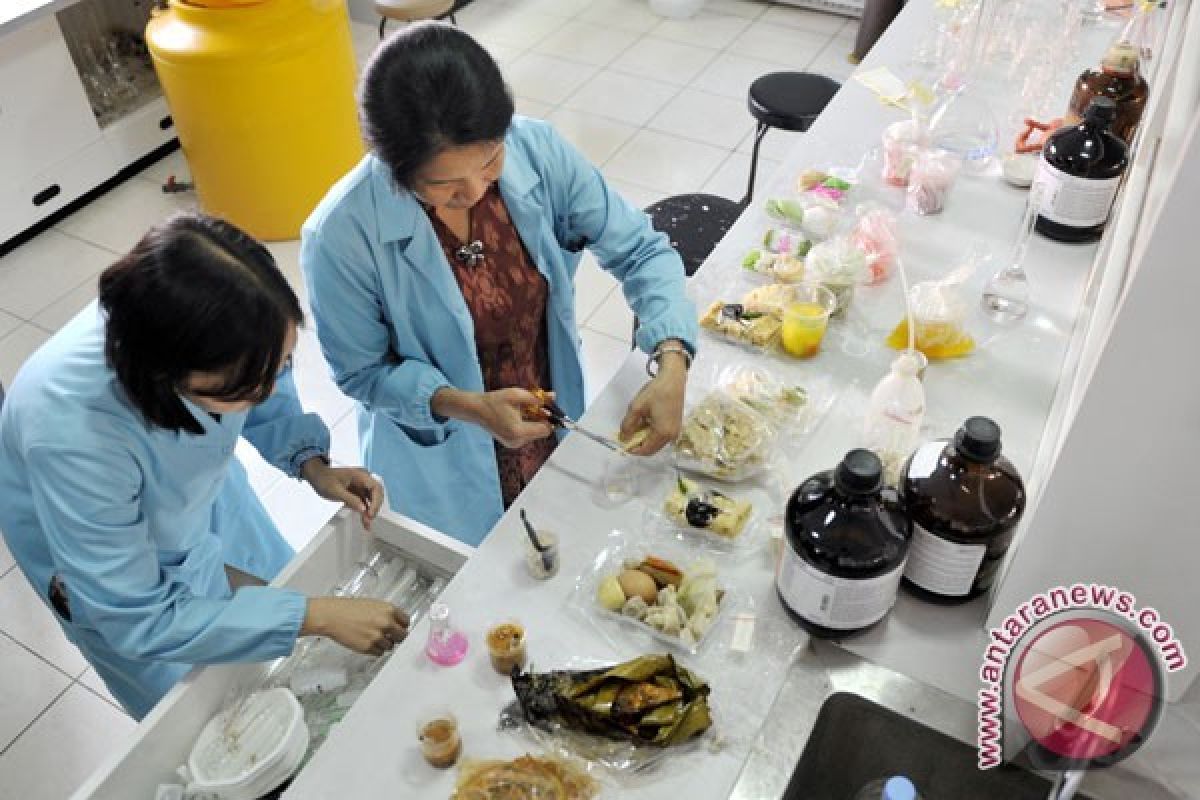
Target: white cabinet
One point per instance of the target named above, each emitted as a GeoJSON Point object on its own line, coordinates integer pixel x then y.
{"type": "Point", "coordinates": [165, 737]}
{"type": "Point", "coordinates": [56, 143]}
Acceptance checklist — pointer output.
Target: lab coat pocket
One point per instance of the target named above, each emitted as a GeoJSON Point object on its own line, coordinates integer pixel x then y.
{"type": "Point", "coordinates": [430, 437]}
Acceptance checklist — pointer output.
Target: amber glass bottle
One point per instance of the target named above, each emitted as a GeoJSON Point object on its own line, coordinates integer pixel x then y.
{"type": "Point", "coordinates": [965, 500]}
{"type": "Point", "coordinates": [1119, 79]}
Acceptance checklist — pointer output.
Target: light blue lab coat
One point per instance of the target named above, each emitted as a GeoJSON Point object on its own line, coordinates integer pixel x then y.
{"type": "Point", "coordinates": [394, 326]}
{"type": "Point", "coordinates": [139, 522]}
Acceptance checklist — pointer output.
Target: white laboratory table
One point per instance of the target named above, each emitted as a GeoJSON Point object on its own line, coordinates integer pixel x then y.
{"type": "Point", "coordinates": [1013, 378]}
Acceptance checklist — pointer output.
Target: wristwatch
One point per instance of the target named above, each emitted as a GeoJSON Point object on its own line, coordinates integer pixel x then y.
{"type": "Point", "coordinates": [652, 363]}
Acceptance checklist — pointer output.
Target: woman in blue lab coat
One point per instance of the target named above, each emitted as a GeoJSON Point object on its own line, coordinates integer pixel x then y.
{"type": "Point", "coordinates": [441, 273]}
{"type": "Point", "coordinates": [124, 505]}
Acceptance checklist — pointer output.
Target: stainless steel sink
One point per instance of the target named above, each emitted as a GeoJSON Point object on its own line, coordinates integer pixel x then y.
{"type": "Point", "coordinates": [840, 722]}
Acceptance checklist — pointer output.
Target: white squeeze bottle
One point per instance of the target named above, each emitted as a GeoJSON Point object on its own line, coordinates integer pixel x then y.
{"type": "Point", "coordinates": [897, 787]}
{"type": "Point", "coordinates": [892, 426]}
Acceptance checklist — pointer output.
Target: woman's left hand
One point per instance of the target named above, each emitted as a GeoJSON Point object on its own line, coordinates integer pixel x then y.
{"type": "Point", "coordinates": [353, 486]}
{"type": "Point", "coordinates": [658, 407]}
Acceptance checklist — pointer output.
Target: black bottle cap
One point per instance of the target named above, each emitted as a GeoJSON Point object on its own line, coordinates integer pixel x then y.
{"type": "Point", "coordinates": [860, 472]}
{"type": "Point", "coordinates": [1101, 109]}
{"type": "Point", "coordinates": [978, 440]}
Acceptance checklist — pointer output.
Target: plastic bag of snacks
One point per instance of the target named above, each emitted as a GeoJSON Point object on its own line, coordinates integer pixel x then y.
{"type": "Point", "coordinates": [724, 438]}
{"type": "Point", "coordinates": [755, 320]}
{"type": "Point", "coordinates": [933, 173]}
{"type": "Point", "coordinates": [780, 256]}
{"type": "Point", "coordinates": [939, 310]}
{"type": "Point", "coordinates": [839, 265]}
{"type": "Point", "coordinates": [831, 186]}
{"type": "Point", "coordinates": [876, 234]}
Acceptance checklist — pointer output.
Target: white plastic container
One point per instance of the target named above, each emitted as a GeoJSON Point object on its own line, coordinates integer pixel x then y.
{"type": "Point", "coordinates": [248, 756]}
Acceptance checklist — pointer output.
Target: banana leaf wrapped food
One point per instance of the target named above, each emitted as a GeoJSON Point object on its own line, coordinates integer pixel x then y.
{"type": "Point", "coordinates": [650, 700]}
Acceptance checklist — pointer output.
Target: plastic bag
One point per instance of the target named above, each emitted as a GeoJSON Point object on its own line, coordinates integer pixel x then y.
{"type": "Point", "coordinates": [724, 438]}
{"type": "Point", "coordinates": [755, 321]}
{"type": "Point", "coordinates": [929, 182]}
{"type": "Point", "coordinates": [832, 186]}
{"type": "Point", "coordinates": [839, 265]}
{"type": "Point", "coordinates": [939, 311]}
{"type": "Point", "coordinates": [726, 521]}
{"type": "Point", "coordinates": [690, 616]}
{"type": "Point", "coordinates": [623, 758]}
{"type": "Point", "coordinates": [877, 234]}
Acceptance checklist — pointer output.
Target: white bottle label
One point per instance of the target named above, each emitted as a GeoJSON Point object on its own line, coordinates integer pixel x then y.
{"type": "Point", "coordinates": [838, 603]}
{"type": "Point", "coordinates": [1068, 200]}
{"type": "Point", "coordinates": [940, 566]}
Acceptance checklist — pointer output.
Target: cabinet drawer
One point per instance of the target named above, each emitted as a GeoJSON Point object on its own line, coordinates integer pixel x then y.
{"type": "Point", "coordinates": [44, 113]}
{"type": "Point", "coordinates": [165, 737]}
{"type": "Point", "coordinates": [140, 132]}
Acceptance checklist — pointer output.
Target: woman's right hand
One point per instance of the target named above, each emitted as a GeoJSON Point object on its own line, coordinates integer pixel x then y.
{"type": "Point", "coordinates": [500, 412]}
{"type": "Point", "coordinates": [359, 624]}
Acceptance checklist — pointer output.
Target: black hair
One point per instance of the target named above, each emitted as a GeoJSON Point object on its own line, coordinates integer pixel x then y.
{"type": "Point", "coordinates": [196, 294]}
{"type": "Point", "coordinates": [428, 87]}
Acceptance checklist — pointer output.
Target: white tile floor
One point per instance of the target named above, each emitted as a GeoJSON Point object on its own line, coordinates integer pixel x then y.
{"type": "Point", "coordinates": [658, 105]}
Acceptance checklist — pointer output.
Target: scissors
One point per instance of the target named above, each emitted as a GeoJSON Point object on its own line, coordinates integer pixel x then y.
{"type": "Point", "coordinates": [548, 410]}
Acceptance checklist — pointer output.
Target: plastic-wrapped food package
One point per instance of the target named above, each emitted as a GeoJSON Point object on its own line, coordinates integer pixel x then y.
{"type": "Point", "coordinates": [877, 234]}
{"type": "Point", "coordinates": [939, 310]}
{"type": "Point", "coordinates": [724, 438]}
{"type": "Point", "coordinates": [754, 321]}
{"type": "Point", "coordinates": [900, 146]}
{"type": "Point", "coordinates": [643, 594]}
{"type": "Point", "coordinates": [929, 182]}
{"type": "Point", "coordinates": [839, 265]}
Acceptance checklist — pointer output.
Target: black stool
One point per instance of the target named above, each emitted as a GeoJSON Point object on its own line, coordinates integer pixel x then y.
{"type": "Point", "coordinates": [695, 223]}
{"type": "Point", "coordinates": [790, 101]}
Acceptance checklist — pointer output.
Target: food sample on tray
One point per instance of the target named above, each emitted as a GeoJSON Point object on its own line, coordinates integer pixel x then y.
{"type": "Point", "coordinates": [823, 185]}
{"type": "Point", "coordinates": [779, 403]}
{"type": "Point", "coordinates": [526, 778]}
{"type": "Point", "coordinates": [655, 592]}
{"type": "Point", "coordinates": [747, 326]}
{"type": "Point", "coordinates": [723, 438]}
{"type": "Point", "coordinates": [649, 701]}
{"type": "Point", "coordinates": [693, 506]}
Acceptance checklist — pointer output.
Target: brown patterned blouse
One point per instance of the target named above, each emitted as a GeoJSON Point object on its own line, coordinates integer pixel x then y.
{"type": "Point", "coordinates": [506, 296]}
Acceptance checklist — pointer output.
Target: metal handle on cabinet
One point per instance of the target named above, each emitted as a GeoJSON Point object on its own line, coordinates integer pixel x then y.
{"type": "Point", "coordinates": [47, 194]}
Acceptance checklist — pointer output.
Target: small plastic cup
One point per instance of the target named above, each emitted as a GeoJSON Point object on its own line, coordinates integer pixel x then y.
{"type": "Point", "coordinates": [542, 565]}
{"type": "Point", "coordinates": [805, 320]}
{"type": "Point", "coordinates": [899, 152]}
{"type": "Point", "coordinates": [437, 732]}
{"type": "Point", "coordinates": [506, 646]}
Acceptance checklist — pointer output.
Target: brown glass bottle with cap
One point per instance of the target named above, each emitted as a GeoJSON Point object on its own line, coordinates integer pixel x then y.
{"type": "Point", "coordinates": [1079, 174]}
{"type": "Point", "coordinates": [1119, 79]}
{"type": "Point", "coordinates": [964, 499]}
{"type": "Point", "coordinates": [846, 540]}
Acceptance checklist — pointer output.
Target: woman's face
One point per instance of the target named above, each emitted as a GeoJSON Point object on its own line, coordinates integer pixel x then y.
{"type": "Point", "coordinates": [458, 177]}
{"type": "Point", "coordinates": [197, 384]}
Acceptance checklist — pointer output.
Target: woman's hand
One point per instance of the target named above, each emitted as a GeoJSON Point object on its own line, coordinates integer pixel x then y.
{"type": "Point", "coordinates": [658, 407]}
{"type": "Point", "coordinates": [360, 624]}
{"type": "Point", "coordinates": [501, 413]}
{"type": "Point", "coordinates": [353, 486]}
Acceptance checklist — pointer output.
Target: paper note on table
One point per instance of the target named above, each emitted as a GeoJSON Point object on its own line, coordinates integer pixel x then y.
{"type": "Point", "coordinates": [884, 83]}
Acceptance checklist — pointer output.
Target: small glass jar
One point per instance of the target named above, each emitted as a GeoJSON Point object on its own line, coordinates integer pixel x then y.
{"type": "Point", "coordinates": [542, 564]}
{"type": "Point", "coordinates": [506, 646]}
{"type": "Point", "coordinates": [441, 744]}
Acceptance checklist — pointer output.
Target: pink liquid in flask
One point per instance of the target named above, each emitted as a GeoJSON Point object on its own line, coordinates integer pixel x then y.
{"type": "Point", "coordinates": [446, 646]}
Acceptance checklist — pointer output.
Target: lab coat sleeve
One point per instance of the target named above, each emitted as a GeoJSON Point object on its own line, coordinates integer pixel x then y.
{"type": "Point", "coordinates": [624, 243]}
{"type": "Point", "coordinates": [282, 432]}
{"type": "Point", "coordinates": [87, 502]}
{"type": "Point", "coordinates": [347, 303]}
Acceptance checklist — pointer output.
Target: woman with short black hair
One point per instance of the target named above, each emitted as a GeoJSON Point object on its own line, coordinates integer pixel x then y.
{"type": "Point", "coordinates": [441, 273]}
{"type": "Point", "coordinates": [124, 505]}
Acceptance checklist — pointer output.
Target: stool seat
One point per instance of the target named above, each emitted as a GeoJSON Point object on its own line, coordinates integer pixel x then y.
{"type": "Point", "coordinates": [412, 10]}
{"type": "Point", "coordinates": [790, 101]}
{"type": "Point", "coordinates": [694, 223]}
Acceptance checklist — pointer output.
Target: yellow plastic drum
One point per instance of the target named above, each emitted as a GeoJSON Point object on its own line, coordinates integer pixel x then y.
{"type": "Point", "coordinates": [262, 94]}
